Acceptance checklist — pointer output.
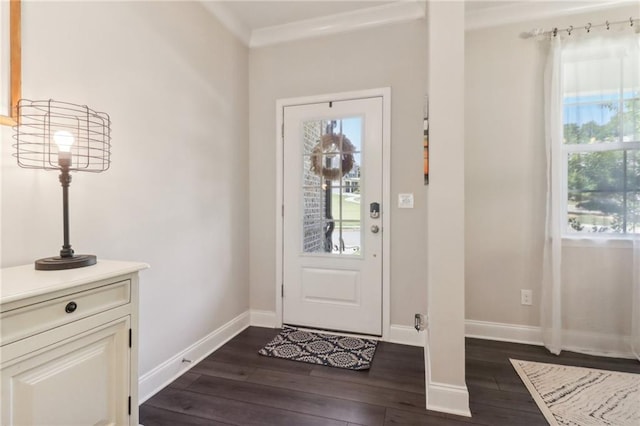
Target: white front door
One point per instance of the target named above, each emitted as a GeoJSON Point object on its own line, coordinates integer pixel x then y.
{"type": "Point", "coordinates": [332, 226]}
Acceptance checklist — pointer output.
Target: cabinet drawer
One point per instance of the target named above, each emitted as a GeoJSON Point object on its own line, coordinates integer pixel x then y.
{"type": "Point", "coordinates": [39, 317]}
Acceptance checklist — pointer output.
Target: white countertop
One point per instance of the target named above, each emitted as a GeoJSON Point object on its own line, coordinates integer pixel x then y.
{"type": "Point", "coordinates": [20, 282]}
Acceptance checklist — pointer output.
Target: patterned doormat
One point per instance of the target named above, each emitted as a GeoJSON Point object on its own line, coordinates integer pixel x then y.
{"type": "Point", "coordinates": [319, 348]}
{"type": "Point", "coordinates": [578, 396]}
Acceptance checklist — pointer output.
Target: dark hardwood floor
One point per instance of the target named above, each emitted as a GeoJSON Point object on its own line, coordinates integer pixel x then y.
{"type": "Point", "coordinates": [236, 386]}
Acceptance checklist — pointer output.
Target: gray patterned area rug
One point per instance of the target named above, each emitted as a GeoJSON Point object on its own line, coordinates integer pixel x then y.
{"type": "Point", "coordinates": [349, 352]}
{"type": "Point", "coordinates": [577, 396]}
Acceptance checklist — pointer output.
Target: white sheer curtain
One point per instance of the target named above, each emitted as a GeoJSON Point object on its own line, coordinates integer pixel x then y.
{"type": "Point", "coordinates": [635, 324]}
{"type": "Point", "coordinates": [551, 297]}
{"type": "Point", "coordinates": [601, 51]}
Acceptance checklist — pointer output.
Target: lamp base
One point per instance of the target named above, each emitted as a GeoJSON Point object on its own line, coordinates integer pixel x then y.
{"type": "Point", "coordinates": [58, 263]}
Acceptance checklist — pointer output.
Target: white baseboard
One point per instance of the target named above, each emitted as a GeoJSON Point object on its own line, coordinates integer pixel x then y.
{"type": "Point", "coordinates": [155, 380]}
{"type": "Point", "coordinates": [401, 334]}
{"type": "Point", "coordinates": [260, 318]}
{"type": "Point", "coordinates": [405, 335]}
{"type": "Point", "coordinates": [599, 344]}
{"type": "Point", "coordinates": [448, 399]}
{"type": "Point", "coordinates": [503, 332]}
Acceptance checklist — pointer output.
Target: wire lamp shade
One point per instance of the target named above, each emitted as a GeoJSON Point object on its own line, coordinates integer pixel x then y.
{"type": "Point", "coordinates": [39, 121]}
{"type": "Point", "coordinates": [65, 137]}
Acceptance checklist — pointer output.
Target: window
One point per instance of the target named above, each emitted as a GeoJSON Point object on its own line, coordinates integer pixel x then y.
{"type": "Point", "coordinates": [601, 138]}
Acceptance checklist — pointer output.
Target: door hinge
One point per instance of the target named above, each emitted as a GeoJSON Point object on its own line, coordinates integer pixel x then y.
{"type": "Point", "coordinates": [283, 210]}
{"type": "Point", "coordinates": [130, 337]}
{"type": "Point", "coordinates": [282, 130]}
{"type": "Point", "coordinates": [282, 290]}
{"type": "Point", "coordinates": [129, 404]}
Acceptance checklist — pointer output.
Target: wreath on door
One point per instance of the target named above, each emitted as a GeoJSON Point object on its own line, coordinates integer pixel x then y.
{"type": "Point", "coordinates": [332, 144]}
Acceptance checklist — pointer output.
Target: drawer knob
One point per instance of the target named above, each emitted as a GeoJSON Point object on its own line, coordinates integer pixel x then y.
{"type": "Point", "coordinates": [71, 306]}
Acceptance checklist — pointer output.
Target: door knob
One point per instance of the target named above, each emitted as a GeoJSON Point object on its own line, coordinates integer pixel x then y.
{"type": "Point", "coordinates": [375, 229]}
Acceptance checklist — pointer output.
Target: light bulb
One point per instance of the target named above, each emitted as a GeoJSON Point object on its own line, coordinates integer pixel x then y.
{"type": "Point", "coordinates": [64, 140]}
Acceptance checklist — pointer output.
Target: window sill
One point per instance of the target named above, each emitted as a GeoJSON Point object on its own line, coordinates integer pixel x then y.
{"type": "Point", "coordinates": [599, 241]}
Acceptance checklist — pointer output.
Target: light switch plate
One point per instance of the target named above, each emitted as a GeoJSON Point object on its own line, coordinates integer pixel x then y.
{"type": "Point", "coordinates": [405, 201]}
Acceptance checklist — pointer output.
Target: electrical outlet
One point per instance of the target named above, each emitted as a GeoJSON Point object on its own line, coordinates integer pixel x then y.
{"type": "Point", "coordinates": [526, 297]}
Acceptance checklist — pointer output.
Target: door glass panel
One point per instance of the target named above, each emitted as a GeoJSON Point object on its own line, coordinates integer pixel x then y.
{"type": "Point", "coordinates": [331, 162]}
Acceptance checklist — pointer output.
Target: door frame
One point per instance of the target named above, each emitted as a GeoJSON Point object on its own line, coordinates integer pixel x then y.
{"type": "Point", "coordinates": [385, 94]}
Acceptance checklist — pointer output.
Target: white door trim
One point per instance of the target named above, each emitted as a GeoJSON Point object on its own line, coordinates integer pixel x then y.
{"type": "Point", "coordinates": [385, 93]}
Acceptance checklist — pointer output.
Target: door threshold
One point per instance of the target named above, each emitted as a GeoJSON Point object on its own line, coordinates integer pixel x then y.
{"type": "Point", "coordinates": [335, 332]}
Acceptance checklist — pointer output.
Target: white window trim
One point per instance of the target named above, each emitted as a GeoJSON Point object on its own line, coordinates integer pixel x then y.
{"type": "Point", "coordinates": [595, 240]}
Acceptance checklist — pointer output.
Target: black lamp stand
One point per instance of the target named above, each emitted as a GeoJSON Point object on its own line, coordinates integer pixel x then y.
{"type": "Point", "coordinates": [67, 259]}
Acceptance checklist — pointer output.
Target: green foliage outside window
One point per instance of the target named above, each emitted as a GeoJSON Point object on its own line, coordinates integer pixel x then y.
{"type": "Point", "coordinates": [604, 185]}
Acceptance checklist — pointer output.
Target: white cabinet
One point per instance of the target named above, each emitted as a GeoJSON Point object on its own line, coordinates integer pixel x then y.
{"type": "Point", "coordinates": [68, 346]}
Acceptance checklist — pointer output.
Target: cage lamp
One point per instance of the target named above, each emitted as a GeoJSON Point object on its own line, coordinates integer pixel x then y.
{"type": "Point", "coordinates": [63, 137]}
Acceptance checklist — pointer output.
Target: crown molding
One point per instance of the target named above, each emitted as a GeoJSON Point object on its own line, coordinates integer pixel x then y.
{"type": "Point", "coordinates": [339, 23]}
{"type": "Point", "coordinates": [400, 11]}
{"type": "Point", "coordinates": [228, 19]}
{"type": "Point", "coordinates": [530, 10]}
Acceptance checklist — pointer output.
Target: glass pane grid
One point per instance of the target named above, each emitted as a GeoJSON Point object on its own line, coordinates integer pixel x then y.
{"type": "Point", "coordinates": [601, 119]}
{"type": "Point", "coordinates": [603, 192]}
{"type": "Point", "coordinates": [330, 186]}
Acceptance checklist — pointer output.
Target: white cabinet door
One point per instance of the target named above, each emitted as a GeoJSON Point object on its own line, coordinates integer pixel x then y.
{"type": "Point", "coordinates": [84, 380]}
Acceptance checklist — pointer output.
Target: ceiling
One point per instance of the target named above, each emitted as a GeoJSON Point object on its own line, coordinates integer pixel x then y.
{"type": "Point", "coordinates": [264, 22]}
{"type": "Point", "coordinates": [261, 14]}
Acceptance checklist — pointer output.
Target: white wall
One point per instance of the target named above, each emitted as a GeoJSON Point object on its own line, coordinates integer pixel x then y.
{"type": "Point", "coordinates": [175, 83]}
{"type": "Point", "coordinates": [505, 191]}
{"type": "Point", "coordinates": [392, 56]}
